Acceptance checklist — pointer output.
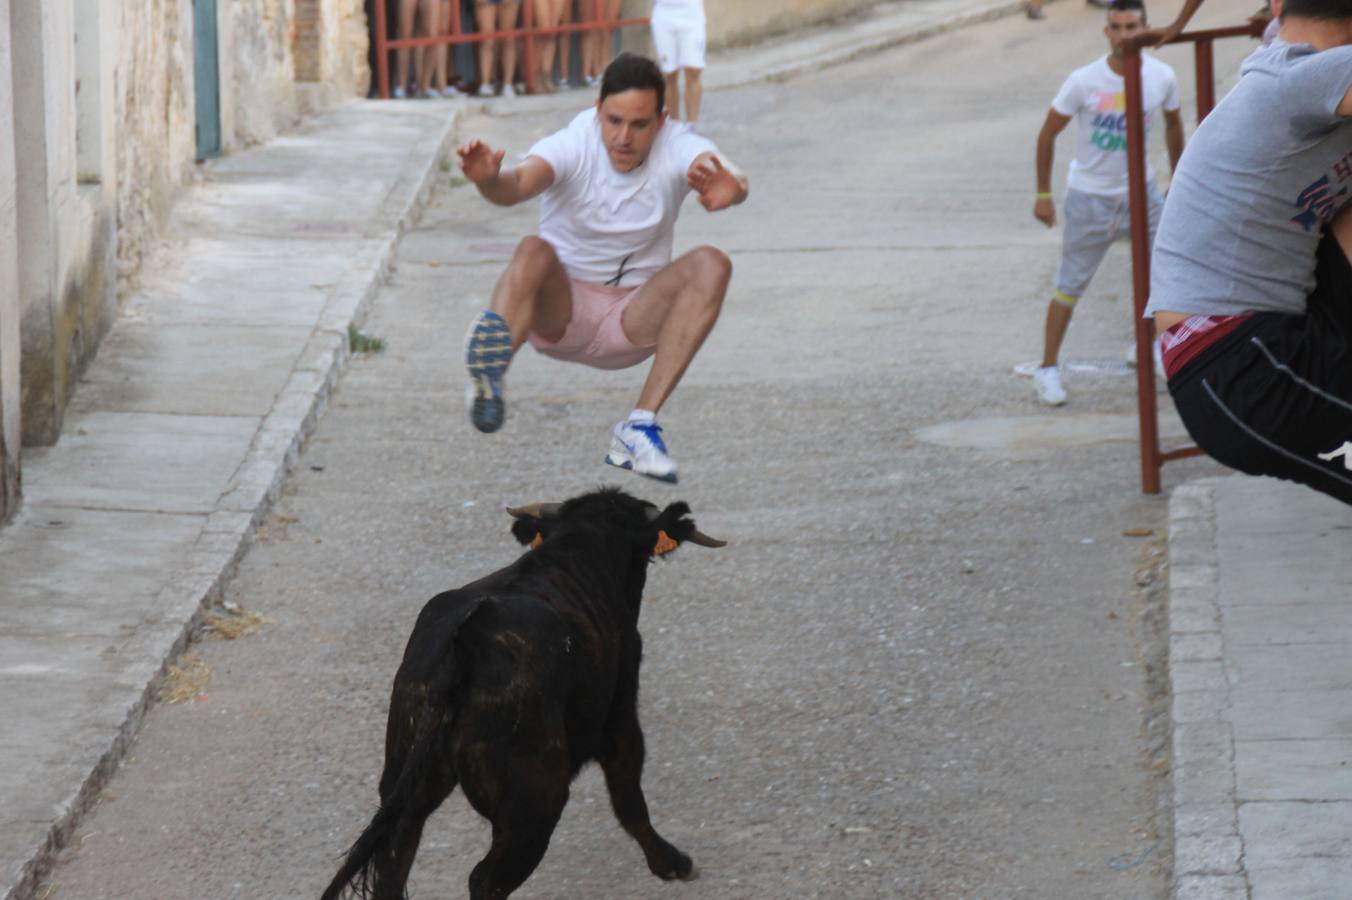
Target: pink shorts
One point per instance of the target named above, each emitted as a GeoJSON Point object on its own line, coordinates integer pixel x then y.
{"type": "Point", "coordinates": [594, 336]}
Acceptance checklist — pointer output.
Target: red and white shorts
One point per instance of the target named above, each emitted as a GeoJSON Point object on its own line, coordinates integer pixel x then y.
{"type": "Point", "coordinates": [594, 336]}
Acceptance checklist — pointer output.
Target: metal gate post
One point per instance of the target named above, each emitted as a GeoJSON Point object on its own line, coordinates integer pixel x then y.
{"type": "Point", "coordinates": [1140, 275]}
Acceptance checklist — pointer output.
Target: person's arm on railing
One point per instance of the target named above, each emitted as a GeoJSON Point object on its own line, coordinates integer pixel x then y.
{"type": "Point", "coordinates": [1158, 38]}
{"type": "Point", "coordinates": [1044, 209]}
{"type": "Point", "coordinates": [482, 165]}
{"type": "Point", "coordinates": [1173, 136]}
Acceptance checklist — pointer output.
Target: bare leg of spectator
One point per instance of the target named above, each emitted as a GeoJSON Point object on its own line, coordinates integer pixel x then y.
{"type": "Point", "coordinates": [566, 44]}
{"type": "Point", "coordinates": [548, 13]}
{"type": "Point", "coordinates": [672, 100]}
{"type": "Point", "coordinates": [485, 17]}
{"type": "Point", "coordinates": [430, 13]}
{"type": "Point", "coordinates": [694, 90]}
{"type": "Point", "coordinates": [408, 9]}
{"type": "Point", "coordinates": [506, 22]}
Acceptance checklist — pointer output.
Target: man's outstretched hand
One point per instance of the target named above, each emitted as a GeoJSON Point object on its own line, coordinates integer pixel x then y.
{"type": "Point", "coordinates": [479, 161]}
{"type": "Point", "coordinates": [717, 187]}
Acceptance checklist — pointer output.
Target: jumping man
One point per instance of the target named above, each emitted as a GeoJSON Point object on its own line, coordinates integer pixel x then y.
{"type": "Point", "coordinates": [1251, 286]}
{"type": "Point", "coordinates": [598, 285]}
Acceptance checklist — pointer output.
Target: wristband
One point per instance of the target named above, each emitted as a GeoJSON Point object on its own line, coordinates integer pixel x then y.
{"type": "Point", "coordinates": [1043, 195]}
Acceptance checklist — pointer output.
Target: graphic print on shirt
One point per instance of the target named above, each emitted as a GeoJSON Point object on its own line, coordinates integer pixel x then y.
{"type": "Point", "coordinates": [1109, 125]}
{"type": "Point", "coordinates": [1320, 201]}
{"type": "Point", "coordinates": [620, 272]}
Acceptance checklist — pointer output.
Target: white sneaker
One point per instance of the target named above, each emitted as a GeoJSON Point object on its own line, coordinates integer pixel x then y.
{"type": "Point", "coordinates": [450, 90]}
{"type": "Point", "coordinates": [397, 93]}
{"type": "Point", "coordinates": [1155, 351]}
{"type": "Point", "coordinates": [1047, 380]}
{"type": "Point", "coordinates": [485, 90]}
{"type": "Point", "coordinates": [639, 447]}
{"type": "Point", "coordinates": [508, 90]}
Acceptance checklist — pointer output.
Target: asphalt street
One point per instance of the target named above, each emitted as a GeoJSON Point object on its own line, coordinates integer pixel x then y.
{"type": "Point", "coordinates": [927, 663]}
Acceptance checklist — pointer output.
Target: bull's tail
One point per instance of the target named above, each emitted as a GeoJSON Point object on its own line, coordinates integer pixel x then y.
{"type": "Point", "coordinates": [371, 868]}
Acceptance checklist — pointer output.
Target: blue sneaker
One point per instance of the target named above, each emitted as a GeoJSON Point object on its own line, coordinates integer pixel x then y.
{"type": "Point", "coordinates": [639, 447]}
{"type": "Point", "coordinates": [488, 351]}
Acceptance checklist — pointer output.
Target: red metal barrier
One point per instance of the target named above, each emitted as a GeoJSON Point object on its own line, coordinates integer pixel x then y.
{"type": "Point", "coordinates": [1152, 458]}
{"type": "Point", "coordinates": [528, 31]}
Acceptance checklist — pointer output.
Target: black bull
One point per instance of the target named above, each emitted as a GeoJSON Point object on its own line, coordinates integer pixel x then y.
{"type": "Point", "coordinates": [511, 684]}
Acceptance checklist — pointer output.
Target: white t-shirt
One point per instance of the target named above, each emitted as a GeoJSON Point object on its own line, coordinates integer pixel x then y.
{"type": "Point", "coordinates": [1096, 97]}
{"type": "Point", "coordinates": [682, 12]}
{"type": "Point", "coordinates": [611, 227]}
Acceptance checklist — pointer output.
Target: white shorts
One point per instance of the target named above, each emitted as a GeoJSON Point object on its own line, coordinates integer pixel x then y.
{"type": "Point", "coordinates": [679, 45]}
{"type": "Point", "coordinates": [1093, 222]}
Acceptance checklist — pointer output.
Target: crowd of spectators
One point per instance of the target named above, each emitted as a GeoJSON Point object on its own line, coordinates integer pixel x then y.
{"type": "Point", "coordinates": [494, 67]}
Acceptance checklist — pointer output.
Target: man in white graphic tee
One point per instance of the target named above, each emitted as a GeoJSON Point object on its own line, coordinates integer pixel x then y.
{"type": "Point", "coordinates": [598, 285]}
{"type": "Point", "coordinates": [1096, 203]}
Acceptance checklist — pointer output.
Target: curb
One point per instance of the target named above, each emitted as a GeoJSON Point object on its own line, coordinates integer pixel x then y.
{"type": "Point", "coordinates": [1208, 849]}
{"type": "Point", "coordinates": [247, 499]}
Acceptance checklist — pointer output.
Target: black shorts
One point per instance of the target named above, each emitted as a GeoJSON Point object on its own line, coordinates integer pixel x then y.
{"type": "Point", "coordinates": [1274, 397]}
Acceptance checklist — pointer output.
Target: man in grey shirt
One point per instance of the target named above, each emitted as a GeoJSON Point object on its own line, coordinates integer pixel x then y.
{"type": "Point", "coordinates": [1251, 288]}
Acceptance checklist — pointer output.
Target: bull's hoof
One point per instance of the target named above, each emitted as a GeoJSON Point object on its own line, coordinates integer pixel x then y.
{"type": "Point", "coordinates": [672, 865]}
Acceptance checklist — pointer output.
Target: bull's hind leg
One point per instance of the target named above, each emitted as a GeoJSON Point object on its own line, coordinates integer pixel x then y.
{"type": "Point", "coordinates": [529, 800]}
{"type": "Point", "coordinates": [622, 761]}
{"type": "Point", "coordinates": [415, 795]}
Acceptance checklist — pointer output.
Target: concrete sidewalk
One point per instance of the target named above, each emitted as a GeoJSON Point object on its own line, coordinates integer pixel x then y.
{"type": "Point", "coordinates": [1260, 582]}
{"type": "Point", "coordinates": [179, 436]}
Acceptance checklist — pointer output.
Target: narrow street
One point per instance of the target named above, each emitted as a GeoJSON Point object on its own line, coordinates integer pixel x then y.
{"type": "Point", "coordinates": [922, 668]}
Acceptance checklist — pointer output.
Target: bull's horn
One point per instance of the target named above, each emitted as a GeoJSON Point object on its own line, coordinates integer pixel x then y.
{"type": "Point", "coordinates": [704, 540]}
{"type": "Point", "coordinates": [535, 511]}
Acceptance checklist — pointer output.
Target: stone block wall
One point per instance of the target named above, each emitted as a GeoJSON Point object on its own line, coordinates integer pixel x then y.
{"type": "Point", "coordinates": [156, 120]}
{"type": "Point", "coordinates": [9, 284]}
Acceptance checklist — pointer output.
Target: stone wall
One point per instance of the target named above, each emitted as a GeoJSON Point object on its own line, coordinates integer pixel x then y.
{"type": "Point", "coordinates": [258, 89]}
{"type": "Point", "coordinates": [156, 120]}
{"type": "Point", "coordinates": [329, 47]}
{"type": "Point", "coordinates": [9, 284]}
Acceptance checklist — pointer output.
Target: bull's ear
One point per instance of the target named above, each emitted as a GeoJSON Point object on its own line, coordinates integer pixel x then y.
{"type": "Point", "coordinates": [664, 544]}
{"type": "Point", "coordinates": [529, 531]}
{"type": "Point", "coordinates": [674, 527]}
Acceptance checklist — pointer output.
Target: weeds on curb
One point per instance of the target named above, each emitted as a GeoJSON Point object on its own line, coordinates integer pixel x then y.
{"type": "Point", "coordinates": [360, 342]}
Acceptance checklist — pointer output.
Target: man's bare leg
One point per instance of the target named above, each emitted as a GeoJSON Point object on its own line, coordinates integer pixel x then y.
{"type": "Point", "coordinates": [1047, 379]}
{"type": "Point", "coordinates": [533, 294]}
{"type": "Point", "coordinates": [694, 90]}
{"type": "Point", "coordinates": [1058, 320]}
{"type": "Point", "coordinates": [672, 99]}
{"type": "Point", "coordinates": [677, 308]}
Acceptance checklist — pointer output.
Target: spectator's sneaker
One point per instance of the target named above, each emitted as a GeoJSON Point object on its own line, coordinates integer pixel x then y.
{"type": "Point", "coordinates": [485, 90]}
{"type": "Point", "coordinates": [488, 351]}
{"type": "Point", "coordinates": [450, 90]}
{"type": "Point", "coordinates": [1047, 381]}
{"type": "Point", "coordinates": [1155, 351]}
{"type": "Point", "coordinates": [638, 446]}
{"type": "Point", "coordinates": [398, 93]}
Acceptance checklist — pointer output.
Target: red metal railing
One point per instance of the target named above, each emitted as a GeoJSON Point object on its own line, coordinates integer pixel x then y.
{"type": "Point", "coordinates": [1152, 458]}
{"type": "Point", "coordinates": [528, 31]}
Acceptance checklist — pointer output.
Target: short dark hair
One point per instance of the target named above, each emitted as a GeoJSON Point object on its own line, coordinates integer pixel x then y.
{"type": "Point", "coordinates": [631, 72]}
{"type": "Point", "coordinates": [1128, 6]}
{"type": "Point", "coordinates": [1317, 9]}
